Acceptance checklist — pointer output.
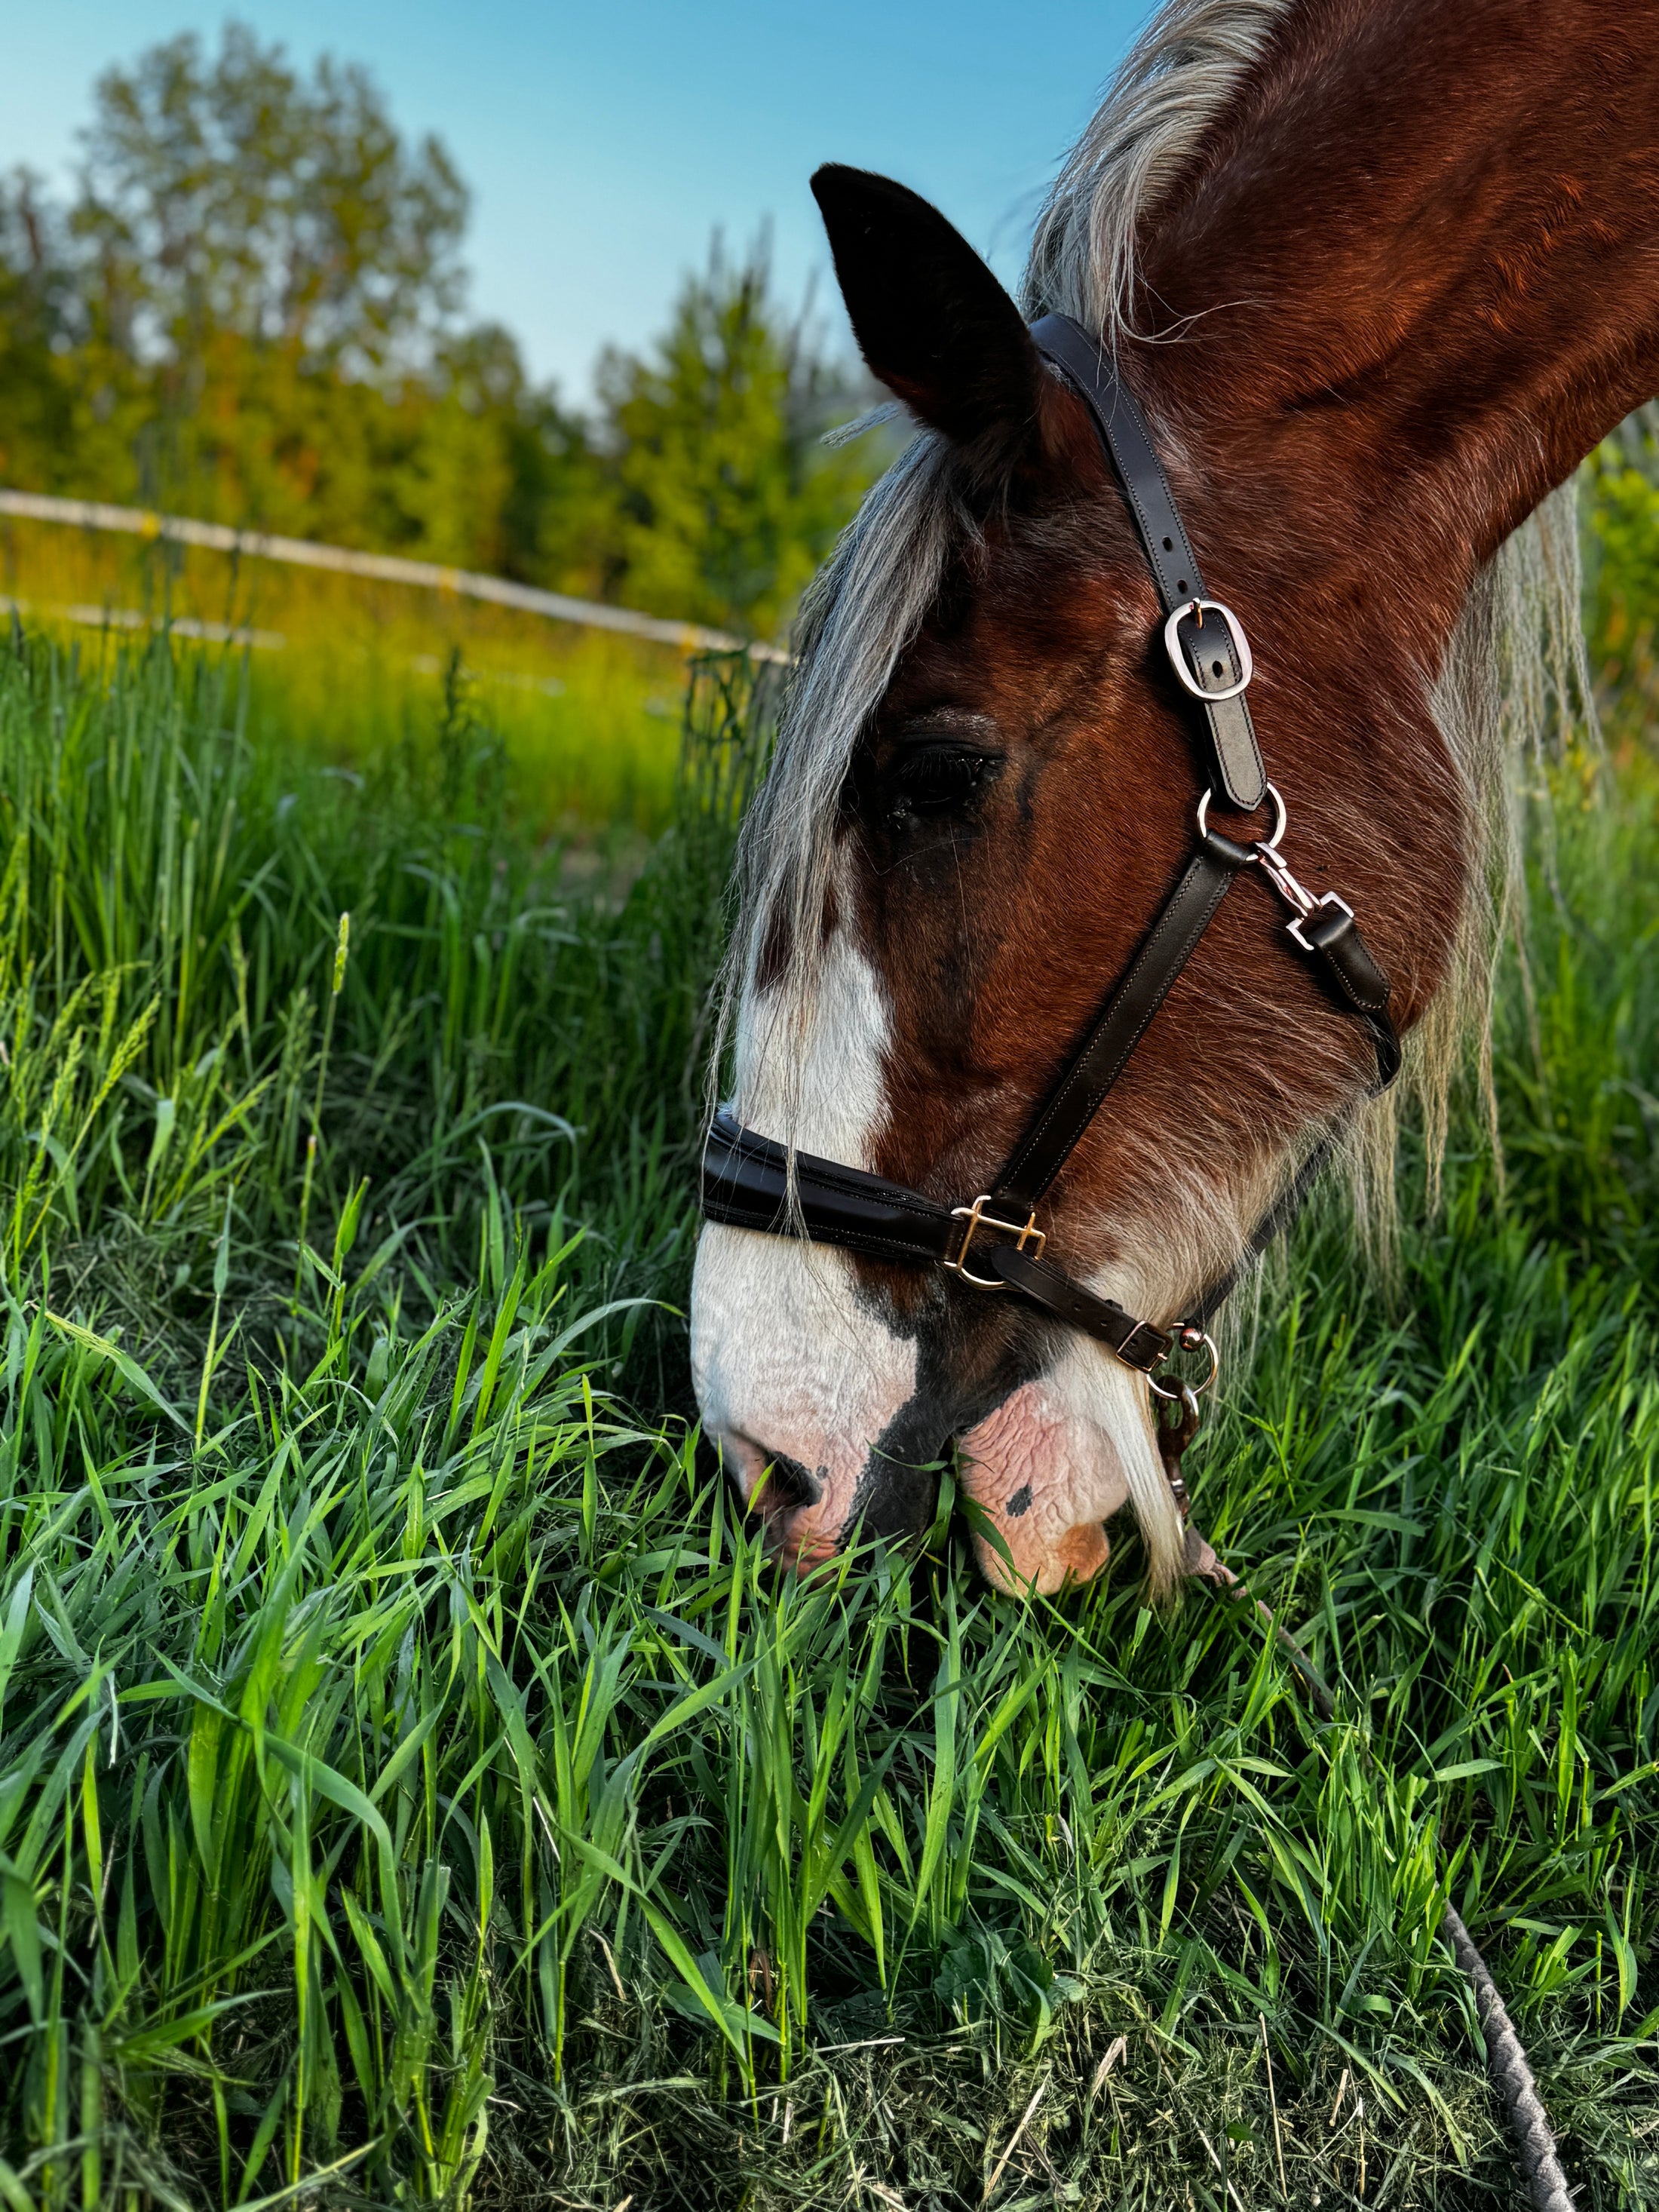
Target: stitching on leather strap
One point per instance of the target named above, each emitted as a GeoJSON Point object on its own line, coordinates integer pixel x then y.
{"type": "Point", "coordinates": [1201, 865]}
{"type": "Point", "coordinates": [874, 1247]}
{"type": "Point", "coordinates": [1063, 336]}
{"type": "Point", "coordinates": [1122, 431]}
{"type": "Point", "coordinates": [829, 1174]}
{"type": "Point", "coordinates": [1104, 1319]}
{"type": "Point", "coordinates": [1368, 1002]}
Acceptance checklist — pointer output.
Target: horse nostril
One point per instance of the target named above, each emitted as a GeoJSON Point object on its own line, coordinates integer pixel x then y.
{"type": "Point", "coordinates": [786, 1485]}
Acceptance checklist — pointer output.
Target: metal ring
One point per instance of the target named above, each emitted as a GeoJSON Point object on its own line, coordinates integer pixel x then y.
{"type": "Point", "coordinates": [1281, 817]}
{"type": "Point", "coordinates": [1184, 1391]}
{"type": "Point", "coordinates": [1178, 659]}
{"type": "Point", "coordinates": [1198, 1337]}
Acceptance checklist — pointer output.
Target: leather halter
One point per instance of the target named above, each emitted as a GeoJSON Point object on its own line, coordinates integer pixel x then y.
{"type": "Point", "coordinates": [751, 1182]}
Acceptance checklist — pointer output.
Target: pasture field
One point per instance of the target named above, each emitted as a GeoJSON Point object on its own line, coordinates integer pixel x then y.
{"type": "Point", "coordinates": [342, 667]}
{"type": "Point", "coordinates": [416, 1790]}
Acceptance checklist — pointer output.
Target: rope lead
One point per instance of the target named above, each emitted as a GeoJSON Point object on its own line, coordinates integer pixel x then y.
{"type": "Point", "coordinates": [1506, 2062]}
{"type": "Point", "coordinates": [1532, 2138]}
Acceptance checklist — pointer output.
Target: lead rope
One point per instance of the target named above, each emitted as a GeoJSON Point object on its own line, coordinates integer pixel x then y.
{"type": "Point", "coordinates": [1176, 1417]}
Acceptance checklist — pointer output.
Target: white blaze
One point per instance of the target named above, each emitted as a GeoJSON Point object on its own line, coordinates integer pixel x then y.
{"type": "Point", "coordinates": [786, 1359]}
{"type": "Point", "coordinates": [790, 1363]}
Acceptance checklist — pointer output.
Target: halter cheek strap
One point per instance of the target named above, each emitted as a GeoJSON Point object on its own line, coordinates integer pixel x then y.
{"type": "Point", "coordinates": [996, 1243]}
{"type": "Point", "coordinates": [1212, 659]}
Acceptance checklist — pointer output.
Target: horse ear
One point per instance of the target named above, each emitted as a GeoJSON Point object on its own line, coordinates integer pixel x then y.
{"type": "Point", "coordinates": [931, 320]}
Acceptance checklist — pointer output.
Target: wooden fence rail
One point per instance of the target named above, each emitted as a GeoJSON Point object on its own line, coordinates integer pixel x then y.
{"type": "Point", "coordinates": [388, 567]}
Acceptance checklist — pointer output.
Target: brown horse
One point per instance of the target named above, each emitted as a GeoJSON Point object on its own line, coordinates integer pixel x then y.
{"type": "Point", "coordinates": [1380, 273]}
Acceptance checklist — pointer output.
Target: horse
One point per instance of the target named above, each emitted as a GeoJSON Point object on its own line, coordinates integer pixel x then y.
{"type": "Point", "coordinates": [1378, 275]}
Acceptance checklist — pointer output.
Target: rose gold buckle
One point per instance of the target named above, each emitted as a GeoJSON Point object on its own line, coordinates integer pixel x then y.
{"type": "Point", "coordinates": [976, 1218]}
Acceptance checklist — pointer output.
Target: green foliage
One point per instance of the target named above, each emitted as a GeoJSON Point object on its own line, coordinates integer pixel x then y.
{"type": "Point", "coordinates": [411, 1773]}
{"type": "Point", "coordinates": [252, 313]}
{"type": "Point", "coordinates": [228, 196]}
{"type": "Point", "coordinates": [729, 501]}
{"type": "Point", "coordinates": [342, 669]}
{"type": "Point", "coordinates": [492, 1040]}
{"type": "Point", "coordinates": [36, 306]}
{"type": "Point", "coordinates": [1620, 501]}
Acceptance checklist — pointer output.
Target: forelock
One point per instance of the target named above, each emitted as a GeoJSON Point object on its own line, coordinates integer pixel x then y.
{"type": "Point", "coordinates": [873, 594]}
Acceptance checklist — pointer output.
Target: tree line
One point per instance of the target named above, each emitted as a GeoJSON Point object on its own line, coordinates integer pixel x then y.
{"type": "Point", "coordinates": [250, 309]}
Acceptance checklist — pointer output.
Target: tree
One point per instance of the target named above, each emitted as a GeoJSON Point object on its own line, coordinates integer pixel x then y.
{"type": "Point", "coordinates": [727, 498]}
{"type": "Point", "coordinates": [252, 315]}
{"type": "Point", "coordinates": [230, 196]}
{"type": "Point", "coordinates": [38, 304]}
{"type": "Point", "coordinates": [557, 500]}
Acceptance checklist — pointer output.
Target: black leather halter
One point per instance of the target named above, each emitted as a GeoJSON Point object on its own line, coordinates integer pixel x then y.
{"type": "Point", "coordinates": [995, 1242]}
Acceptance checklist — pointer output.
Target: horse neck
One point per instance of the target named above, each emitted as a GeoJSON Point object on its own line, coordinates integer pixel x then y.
{"type": "Point", "coordinates": [1411, 280]}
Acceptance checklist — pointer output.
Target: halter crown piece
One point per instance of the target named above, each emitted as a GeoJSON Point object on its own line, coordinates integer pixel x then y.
{"type": "Point", "coordinates": [995, 1242]}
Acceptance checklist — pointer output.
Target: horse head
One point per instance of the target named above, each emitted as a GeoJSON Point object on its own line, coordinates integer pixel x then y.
{"type": "Point", "coordinates": [986, 782]}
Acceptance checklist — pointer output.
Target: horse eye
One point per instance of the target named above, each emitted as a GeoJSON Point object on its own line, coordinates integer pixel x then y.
{"type": "Point", "coordinates": [932, 779]}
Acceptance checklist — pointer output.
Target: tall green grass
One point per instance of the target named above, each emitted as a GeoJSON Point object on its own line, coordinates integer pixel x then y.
{"type": "Point", "coordinates": [342, 667]}
{"type": "Point", "coordinates": [414, 1786]}
{"type": "Point", "coordinates": [230, 973]}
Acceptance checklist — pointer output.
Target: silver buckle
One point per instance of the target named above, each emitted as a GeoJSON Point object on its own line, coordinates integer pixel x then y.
{"type": "Point", "coordinates": [1178, 659]}
{"type": "Point", "coordinates": [977, 1219]}
{"type": "Point", "coordinates": [1294, 928]}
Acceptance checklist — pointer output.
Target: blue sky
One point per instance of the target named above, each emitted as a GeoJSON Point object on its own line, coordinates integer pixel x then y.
{"type": "Point", "coordinates": [605, 142]}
